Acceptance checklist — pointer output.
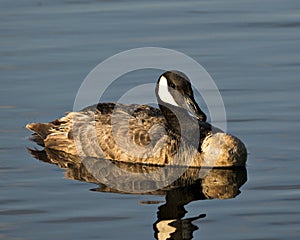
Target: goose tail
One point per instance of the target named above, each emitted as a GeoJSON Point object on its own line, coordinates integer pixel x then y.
{"type": "Point", "coordinates": [41, 131]}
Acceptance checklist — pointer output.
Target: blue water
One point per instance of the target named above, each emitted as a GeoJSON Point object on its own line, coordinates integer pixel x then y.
{"type": "Point", "coordinates": [250, 48]}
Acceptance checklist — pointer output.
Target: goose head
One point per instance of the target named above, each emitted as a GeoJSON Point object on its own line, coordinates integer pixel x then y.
{"type": "Point", "coordinates": [174, 92]}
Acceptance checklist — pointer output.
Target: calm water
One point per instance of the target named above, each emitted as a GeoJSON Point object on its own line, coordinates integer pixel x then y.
{"type": "Point", "coordinates": [251, 49]}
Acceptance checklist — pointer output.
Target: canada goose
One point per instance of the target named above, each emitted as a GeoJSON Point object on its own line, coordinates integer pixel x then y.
{"type": "Point", "coordinates": [144, 134]}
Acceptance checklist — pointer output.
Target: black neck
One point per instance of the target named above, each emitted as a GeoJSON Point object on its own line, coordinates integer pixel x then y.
{"type": "Point", "coordinates": [194, 131]}
{"type": "Point", "coordinates": [170, 116]}
{"type": "Point", "coordinates": [174, 116]}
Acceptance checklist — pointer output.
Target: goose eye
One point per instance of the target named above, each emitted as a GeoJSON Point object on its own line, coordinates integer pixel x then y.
{"type": "Point", "coordinates": [172, 85]}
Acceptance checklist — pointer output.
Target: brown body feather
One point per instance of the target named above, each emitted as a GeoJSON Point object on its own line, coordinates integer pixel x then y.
{"type": "Point", "coordinates": [130, 133]}
{"type": "Point", "coordinates": [135, 134]}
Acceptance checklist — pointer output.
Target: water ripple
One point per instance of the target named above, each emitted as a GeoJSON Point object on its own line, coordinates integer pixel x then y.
{"type": "Point", "coordinates": [86, 219]}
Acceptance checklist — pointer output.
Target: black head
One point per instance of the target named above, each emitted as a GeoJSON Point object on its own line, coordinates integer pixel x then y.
{"type": "Point", "coordinates": [174, 89]}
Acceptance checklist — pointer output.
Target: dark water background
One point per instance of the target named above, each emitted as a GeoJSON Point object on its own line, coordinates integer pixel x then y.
{"type": "Point", "coordinates": [252, 51]}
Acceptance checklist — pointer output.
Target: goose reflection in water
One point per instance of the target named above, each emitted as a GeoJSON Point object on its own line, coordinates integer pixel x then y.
{"type": "Point", "coordinates": [218, 183]}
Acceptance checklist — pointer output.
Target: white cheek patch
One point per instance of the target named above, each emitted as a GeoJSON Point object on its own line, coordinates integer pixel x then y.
{"type": "Point", "coordinates": [163, 92]}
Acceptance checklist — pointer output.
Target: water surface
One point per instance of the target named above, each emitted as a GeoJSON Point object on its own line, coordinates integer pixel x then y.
{"type": "Point", "coordinates": [251, 49]}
